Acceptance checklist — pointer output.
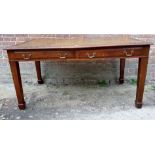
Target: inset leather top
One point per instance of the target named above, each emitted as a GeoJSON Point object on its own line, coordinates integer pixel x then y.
{"type": "Point", "coordinates": [77, 43]}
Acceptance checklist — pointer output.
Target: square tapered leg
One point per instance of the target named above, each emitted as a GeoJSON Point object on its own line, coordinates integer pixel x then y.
{"type": "Point", "coordinates": [142, 70]}
{"type": "Point", "coordinates": [122, 67]}
{"type": "Point", "coordinates": [38, 70]}
{"type": "Point", "coordinates": [14, 65]}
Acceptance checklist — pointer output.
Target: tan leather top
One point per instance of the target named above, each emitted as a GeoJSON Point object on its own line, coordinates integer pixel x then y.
{"type": "Point", "coordinates": [69, 43]}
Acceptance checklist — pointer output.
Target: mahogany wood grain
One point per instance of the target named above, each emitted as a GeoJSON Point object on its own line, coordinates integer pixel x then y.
{"type": "Point", "coordinates": [38, 70]}
{"type": "Point", "coordinates": [77, 43]}
{"type": "Point", "coordinates": [14, 65]}
{"type": "Point", "coordinates": [125, 52]}
{"type": "Point", "coordinates": [122, 67]}
{"type": "Point", "coordinates": [79, 49]}
{"type": "Point", "coordinates": [142, 70]}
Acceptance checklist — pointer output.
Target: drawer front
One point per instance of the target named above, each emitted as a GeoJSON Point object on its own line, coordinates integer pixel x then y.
{"type": "Point", "coordinates": [79, 54]}
{"type": "Point", "coordinates": [27, 56]}
{"type": "Point", "coordinates": [122, 52]}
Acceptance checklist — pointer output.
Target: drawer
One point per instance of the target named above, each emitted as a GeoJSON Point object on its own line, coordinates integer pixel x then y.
{"type": "Point", "coordinates": [34, 55]}
{"type": "Point", "coordinates": [119, 52]}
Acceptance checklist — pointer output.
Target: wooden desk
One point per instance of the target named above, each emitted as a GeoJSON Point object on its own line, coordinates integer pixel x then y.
{"type": "Point", "coordinates": [80, 49]}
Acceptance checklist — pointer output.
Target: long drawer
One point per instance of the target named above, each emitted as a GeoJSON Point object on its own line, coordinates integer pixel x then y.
{"type": "Point", "coordinates": [118, 52]}
{"type": "Point", "coordinates": [33, 55]}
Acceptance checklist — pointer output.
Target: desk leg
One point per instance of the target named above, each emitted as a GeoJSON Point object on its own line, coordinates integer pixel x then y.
{"type": "Point", "coordinates": [38, 70]}
{"type": "Point", "coordinates": [142, 70]}
{"type": "Point", "coordinates": [14, 65]}
{"type": "Point", "coordinates": [122, 67]}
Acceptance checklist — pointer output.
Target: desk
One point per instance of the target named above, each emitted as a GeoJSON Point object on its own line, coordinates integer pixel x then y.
{"type": "Point", "coordinates": [79, 49]}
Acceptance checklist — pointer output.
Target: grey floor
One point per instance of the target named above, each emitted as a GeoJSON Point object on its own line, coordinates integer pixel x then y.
{"type": "Point", "coordinates": [78, 102]}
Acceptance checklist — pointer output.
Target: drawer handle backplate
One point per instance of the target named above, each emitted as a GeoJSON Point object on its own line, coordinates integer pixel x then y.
{"type": "Point", "coordinates": [26, 56]}
{"type": "Point", "coordinates": [128, 53]}
{"type": "Point", "coordinates": [91, 56]}
{"type": "Point", "coordinates": [63, 56]}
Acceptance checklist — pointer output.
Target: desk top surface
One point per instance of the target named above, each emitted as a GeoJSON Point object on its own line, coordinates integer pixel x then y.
{"type": "Point", "coordinates": [77, 43]}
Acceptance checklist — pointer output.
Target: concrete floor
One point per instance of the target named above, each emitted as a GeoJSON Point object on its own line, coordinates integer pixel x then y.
{"type": "Point", "coordinates": [76, 102]}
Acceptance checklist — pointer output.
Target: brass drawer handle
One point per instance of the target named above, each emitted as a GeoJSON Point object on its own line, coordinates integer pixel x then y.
{"type": "Point", "coordinates": [128, 54]}
{"type": "Point", "coordinates": [63, 56]}
{"type": "Point", "coordinates": [26, 56]}
{"type": "Point", "coordinates": [91, 56]}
